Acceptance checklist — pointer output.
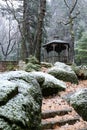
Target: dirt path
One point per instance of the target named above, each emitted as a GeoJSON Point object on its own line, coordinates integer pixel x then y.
{"type": "Point", "coordinates": [57, 114]}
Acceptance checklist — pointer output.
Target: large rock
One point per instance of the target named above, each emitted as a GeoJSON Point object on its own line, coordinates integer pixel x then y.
{"type": "Point", "coordinates": [32, 65]}
{"type": "Point", "coordinates": [46, 64]}
{"type": "Point", "coordinates": [79, 101]}
{"type": "Point", "coordinates": [81, 71]}
{"type": "Point", "coordinates": [63, 72]}
{"type": "Point", "coordinates": [20, 101]}
{"type": "Point", "coordinates": [49, 84]}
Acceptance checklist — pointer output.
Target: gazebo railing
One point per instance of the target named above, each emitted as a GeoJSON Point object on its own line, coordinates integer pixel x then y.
{"type": "Point", "coordinates": [53, 59]}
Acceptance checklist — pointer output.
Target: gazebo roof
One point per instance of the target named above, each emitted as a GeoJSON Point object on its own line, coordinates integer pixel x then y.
{"type": "Point", "coordinates": [59, 45]}
{"type": "Point", "coordinates": [56, 42]}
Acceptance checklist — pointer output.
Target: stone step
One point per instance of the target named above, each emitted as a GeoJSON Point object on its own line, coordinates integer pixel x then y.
{"type": "Point", "coordinates": [52, 113]}
{"type": "Point", "coordinates": [49, 124]}
{"type": "Point", "coordinates": [83, 128]}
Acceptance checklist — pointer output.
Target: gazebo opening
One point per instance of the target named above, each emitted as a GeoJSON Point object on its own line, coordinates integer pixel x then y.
{"type": "Point", "coordinates": [56, 50]}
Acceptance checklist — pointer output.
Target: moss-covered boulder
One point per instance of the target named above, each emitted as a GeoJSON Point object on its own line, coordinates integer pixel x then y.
{"type": "Point", "coordinates": [32, 64]}
{"type": "Point", "coordinates": [48, 83]}
{"type": "Point", "coordinates": [81, 71]}
{"type": "Point", "coordinates": [79, 101]}
{"type": "Point", "coordinates": [63, 72]}
{"type": "Point", "coordinates": [32, 67]}
{"type": "Point", "coordinates": [20, 101]}
{"type": "Point", "coordinates": [46, 64]}
{"type": "Point", "coordinates": [33, 60]}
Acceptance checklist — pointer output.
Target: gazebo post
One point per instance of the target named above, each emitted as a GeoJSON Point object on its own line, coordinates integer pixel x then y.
{"type": "Point", "coordinates": [54, 52]}
{"type": "Point", "coordinates": [58, 56]}
{"type": "Point", "coordinates": [68, 53]}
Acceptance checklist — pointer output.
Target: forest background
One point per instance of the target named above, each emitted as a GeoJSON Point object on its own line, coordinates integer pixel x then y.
{"type": "Point", "coordinates": [26, 25]}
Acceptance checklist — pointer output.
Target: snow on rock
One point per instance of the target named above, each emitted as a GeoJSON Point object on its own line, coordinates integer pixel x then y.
{"type": "Point", "coordinates": [63, 66]}
{"type": "Point", "coordinates": [63, 72]}
{"type": "Point", "coordinates": [20, 101]}
{"type": "Point", "coordinates": [79, 101]}
{"type": "Point", "coordinates": [7, 91]}
{"type": "Point", "coordinates": [50, 85]}
{"type": "Point", "coordinates": [15, 74]}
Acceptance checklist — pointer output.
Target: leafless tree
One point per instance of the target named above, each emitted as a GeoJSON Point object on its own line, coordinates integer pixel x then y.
{"type": "Point", "coordinates": [30, 26]}
{"type": "Point", "coordinates": [70, 22]}
{"type": "Point", "coordinates": [8, 48]}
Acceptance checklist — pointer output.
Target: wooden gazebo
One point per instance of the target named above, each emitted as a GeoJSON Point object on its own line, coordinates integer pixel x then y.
{"type": "Point", "coordinates": [56, 50]}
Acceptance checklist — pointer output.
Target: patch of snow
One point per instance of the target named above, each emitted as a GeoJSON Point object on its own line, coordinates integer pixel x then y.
{"type": "Point", "coordinates": [49, 78]}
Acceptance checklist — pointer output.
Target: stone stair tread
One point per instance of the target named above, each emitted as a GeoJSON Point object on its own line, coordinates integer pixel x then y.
{"type": "Point", "coordinates": [47, 124]}
{"type": "Point", "coordinates": [84, 128]}
{"type": "Point", "coordinates": [68, 127]}
{"type": "Point", "coordinates": [57, 114]}
{"type": "Point", "coordinates": [53, 113]}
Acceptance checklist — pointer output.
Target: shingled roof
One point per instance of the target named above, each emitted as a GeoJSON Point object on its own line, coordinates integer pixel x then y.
{"type": "Point", "coordinates": [56, 42]}
{"type": "Point", "coordinates": [59, 45]}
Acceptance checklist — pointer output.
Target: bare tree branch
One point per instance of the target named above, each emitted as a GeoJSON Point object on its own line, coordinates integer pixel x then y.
{"type": "Point", "coordinates": [12, 10]}
{"type": "Point", "coordinates": [73, 7]}
{"type": "Point", "coordinates": [67, 4]}
{"type": "Point", "coordinates": [69, 21]}
{"type": "Point", "coordinates": [11, 49]}
{"type": "Point", "coordinates": [2, 48]}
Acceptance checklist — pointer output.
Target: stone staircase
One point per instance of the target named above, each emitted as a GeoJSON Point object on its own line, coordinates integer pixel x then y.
{"type": "Point", "coordinates": [58, 115]}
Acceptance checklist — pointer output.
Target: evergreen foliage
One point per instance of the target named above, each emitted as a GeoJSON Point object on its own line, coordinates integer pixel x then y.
{"type": "Point", "coordinates": [32, 65]}
{"type": "Point", "coordinates": [81, 50]}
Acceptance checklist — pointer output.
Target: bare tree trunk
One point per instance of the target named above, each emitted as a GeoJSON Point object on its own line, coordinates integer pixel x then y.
{"type": "Point", "coordinates": [71, 23]}
{"type": "Point", "coordinates": [72, 40]}
{"type": "Point", "coordinates": [26, 39]}
{"type": "Point", "coordinates": [39, 29]}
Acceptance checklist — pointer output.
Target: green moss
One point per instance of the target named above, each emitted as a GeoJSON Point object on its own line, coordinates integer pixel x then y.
{"type": "Point", "coordinates": [81, 71]}
{"type": "Point", "coordinates": [33, 59]}
{"type": "Point", "coordinates": [81, 109]}
{"type": "Point", "coordinates": [23, 110]}
{"type": "Point", "coordinates": [65, 76]}
{"type": "Point", "coordinates": [46, 64]}
{"type": "Point", "coordinates": [4, 125]}
{"type": "Point", "coordinates": [10, 67]}
{"type": "Point", "coordinates": [31, 67]}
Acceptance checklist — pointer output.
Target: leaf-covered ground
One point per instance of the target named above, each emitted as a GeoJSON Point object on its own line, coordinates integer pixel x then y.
{"type": "Point", "coordinates": [57, 103]}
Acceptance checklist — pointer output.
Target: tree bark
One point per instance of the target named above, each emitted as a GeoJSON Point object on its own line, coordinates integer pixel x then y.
{"type": "Point", "coordinates": [72, 40]}
{"type": "Point", "coordinates": [71, 23]}
{"type": "Point", "coordinates": [39, 29]}
{"type": "Point", "coordinates": [26, 39]}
